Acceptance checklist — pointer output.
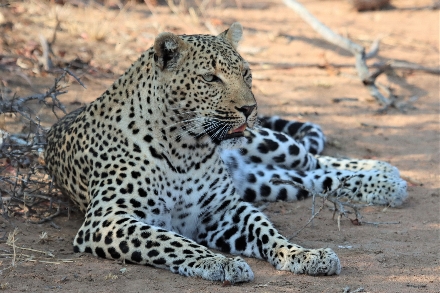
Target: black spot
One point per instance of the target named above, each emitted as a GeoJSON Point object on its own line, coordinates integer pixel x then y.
{"type": "Point", "coordinates": [240, 243]}
{"type": "Point", "coordinates": [97, 237]}
{"type": "Point", "coordinates": [262, 148]}
{"type": "Point", "coordinates": [123, 246]}
{"type": "Point", "coordinates": [131, 230]}
{"type": "Point", "coordinates": [256, 159]}
{"type": "Point", "coordinates": [136, 256]}
{"type": "Point", "coordinates": [145, 234]}
{"type": "Point", "coordinates": [148, 138]}
{"type": "Point", "coordinates": [140, 214]}
{"type": "Point", "coordinates": [249, 195]}
{"type": "Point", "coordinates": [100, 252]}
{"type": "Point", "coordinates": [176, 244]}
{"type": "Point", "coordinates": [251, 236]}
{"type": "Point", "coordinates": [272, 145]}
{"type": "Point", "coordinates": [281, 137]}
{"type": "Point", "coordinates": [113, 253]}
{"type": "Point", "coordinates": [302, 194]}
{"type": "Point", "coordinates": [142, 192]}
{"type": "Point", "coordinates": [251, 178]}
{"type": "Point", "coordinates": [163, 237]}
{"type": "Point", "coordinates": [327, 184]}
{"type": "Point", "coordinates": [282, 194]}
{"type": "Point", "coordinates": [155, 154]}
{"type": "Point", "coordinates": [135, 174]}
{"type": "Point", "coordinates": [294, 127]}
{"type": "Point", "coordinates": [265, 190]}
{"type": "Point", "coordinates": [230, 232]}
{"type": "Point", "coordinates": [295, 164]}
{"type": "Point", "coordinates": [223, 245]}
{"type": "Point", "coordinates": [280, 124]}
{"type": "Point", "coordinates": [263, 132]}
{"type": "Point", "coordinates": [178, 261]}
{"type": "Point", "coordinates": [293, 150]}
{"type": "Point", "coordinates": [280, 159]}
{"type": "Point", "coordinates": [159, 261]}
{"type": "Point", "coordinates": [153, 253]}
{"type": "Point", "coordinates": [135, 203]}
{"type": "Point", "coordinates": [238, 213]}
{"type": "Point", "coordinates": [296, 179]}
{"type": "Point", "coordinates": [120, 233]}
{"type": "Point", "coordinates": [109, 238]}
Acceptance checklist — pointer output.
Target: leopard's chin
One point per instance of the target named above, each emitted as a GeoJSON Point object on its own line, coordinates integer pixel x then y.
{"type": "Point", "coordinates": [233, 143]}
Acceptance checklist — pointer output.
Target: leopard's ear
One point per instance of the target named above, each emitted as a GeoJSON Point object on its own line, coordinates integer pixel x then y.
{"type": "Point", "coordinates": [168, 51]}
{"type": "Point", "coordinates": [233, 34]}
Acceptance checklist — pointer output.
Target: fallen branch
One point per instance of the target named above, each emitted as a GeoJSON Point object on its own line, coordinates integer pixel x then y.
{"type": "Point", "coordinates": [368, 79]}
{"type": "Point", "coordinates": [357, 50]}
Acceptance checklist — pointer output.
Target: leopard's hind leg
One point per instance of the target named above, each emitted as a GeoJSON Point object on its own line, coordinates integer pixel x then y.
{"type": "Point", "coordinates": [286, 154]}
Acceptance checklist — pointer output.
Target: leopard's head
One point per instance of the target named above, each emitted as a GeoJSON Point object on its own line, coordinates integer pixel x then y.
{"type": "Point", "coordinates": [205, 86]}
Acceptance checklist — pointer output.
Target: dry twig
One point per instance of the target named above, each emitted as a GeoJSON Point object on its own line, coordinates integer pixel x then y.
{"type": "Point", "coordinates": [333, 196]}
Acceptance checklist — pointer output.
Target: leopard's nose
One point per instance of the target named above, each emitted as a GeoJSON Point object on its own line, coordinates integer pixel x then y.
{"type": "Point", "coordinates": [246, 110]}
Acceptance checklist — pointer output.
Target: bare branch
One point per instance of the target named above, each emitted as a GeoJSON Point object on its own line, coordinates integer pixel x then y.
{"type": "Point", "coordinates": [45, 59]}
{"type": "Point", "coordinates": [374, 49]}
{"type": "Point", "coordinates": [333, 196]}
{"type": "Point", "coordinates": [25, 186]}
{"type": "Point", "coordinates": [368, 79]}
{"type": "Point", "coordinates": [357, 50]}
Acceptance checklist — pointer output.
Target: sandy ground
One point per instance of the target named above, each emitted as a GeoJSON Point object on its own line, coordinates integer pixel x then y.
{"type": "Point", "coordinates": [399, 257]}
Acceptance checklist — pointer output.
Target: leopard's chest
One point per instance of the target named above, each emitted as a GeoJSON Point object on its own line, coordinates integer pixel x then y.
{"type": "Point", "coordinates": [184, 200]}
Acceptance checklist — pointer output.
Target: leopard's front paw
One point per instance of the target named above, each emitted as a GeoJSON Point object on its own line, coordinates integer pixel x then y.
{"type": "Point", "coordinates": [220, 268]}
{"type": "Point", "coordinates": [309, 261]}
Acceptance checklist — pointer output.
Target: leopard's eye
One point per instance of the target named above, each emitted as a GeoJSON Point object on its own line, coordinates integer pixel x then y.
{"type": "Point", "coordinates": [247, 76]}
{"type": "Point", "coordinates": [211, 78]}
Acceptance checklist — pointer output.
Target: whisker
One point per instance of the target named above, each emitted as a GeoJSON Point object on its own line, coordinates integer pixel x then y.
{"type": "Point", "coordinates": [186, 131]}
{"type": "Point", "coordinates": [219, 131]}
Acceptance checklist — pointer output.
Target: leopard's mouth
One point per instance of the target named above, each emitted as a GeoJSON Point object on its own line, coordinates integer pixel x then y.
{"type": "Point", "coordinates": [237, 132]}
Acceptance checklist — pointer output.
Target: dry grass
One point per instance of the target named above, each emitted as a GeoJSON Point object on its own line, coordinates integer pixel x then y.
{"type": "Point", "coordinates": [20, 254]}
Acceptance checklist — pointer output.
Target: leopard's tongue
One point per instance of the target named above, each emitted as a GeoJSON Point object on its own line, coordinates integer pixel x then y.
{"type": "Point", "coordinates": [239, 129]}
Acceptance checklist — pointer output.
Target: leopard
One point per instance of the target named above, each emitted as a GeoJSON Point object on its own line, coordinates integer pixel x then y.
{"type": "Point", "coordinates": [167, 163]}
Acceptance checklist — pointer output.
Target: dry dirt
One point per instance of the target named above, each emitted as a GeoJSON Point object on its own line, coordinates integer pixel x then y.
{"type": "Point", "coordinates": [400, 257]}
